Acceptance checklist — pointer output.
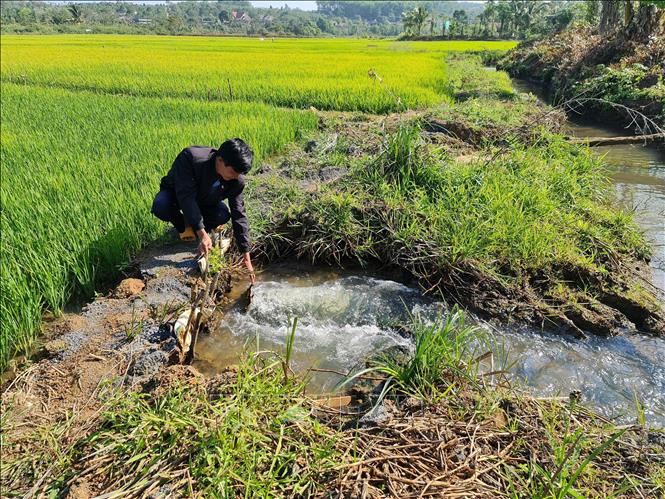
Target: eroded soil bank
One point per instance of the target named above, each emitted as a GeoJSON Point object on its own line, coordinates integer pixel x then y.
{"type": "Point", "coordinates": [599, 75]}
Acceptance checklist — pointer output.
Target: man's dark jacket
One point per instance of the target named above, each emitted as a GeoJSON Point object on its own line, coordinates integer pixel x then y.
{"type": "Point", "coordinates": [197, 183]}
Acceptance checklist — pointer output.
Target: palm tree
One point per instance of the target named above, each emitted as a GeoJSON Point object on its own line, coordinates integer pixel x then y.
{"type": "Point", "coordinates": [77, 15]}
{"type": "Point", "coordinates": [420, 16]}
{"type": "Point", "coordinates": [489, 16]}
{"type": "Point", "coordinates": [462, 19]}
{"type": "Point", "coordinates": [414, 20]}
{"type": "Point", "coordinates": [504, 14]}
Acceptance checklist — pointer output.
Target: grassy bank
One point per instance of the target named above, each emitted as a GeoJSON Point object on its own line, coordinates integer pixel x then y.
{"type": "Point", "coordinates": [447, 428]}
{"type": "Point", "coordinates": [79, 172]}
{"type": "Point", "coordinates": [580, 63]}
{"type": "Point", "coordinates": [518, 224]}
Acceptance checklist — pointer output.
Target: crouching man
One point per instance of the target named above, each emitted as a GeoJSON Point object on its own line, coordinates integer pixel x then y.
{"type": "Point", "coordinates": [192, 194]}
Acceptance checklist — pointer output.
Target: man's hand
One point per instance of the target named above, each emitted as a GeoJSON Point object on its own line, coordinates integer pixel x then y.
{"type": "Point", "coordinates": [205, 243]}
{"type": "Point", "coordinates": [247, 261]}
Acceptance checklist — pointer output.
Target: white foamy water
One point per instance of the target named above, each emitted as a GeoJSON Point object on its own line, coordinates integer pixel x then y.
{"type": "Point", "coordinates": [341, 322]}
{"type": "Point", "coordinates": [344, 319]}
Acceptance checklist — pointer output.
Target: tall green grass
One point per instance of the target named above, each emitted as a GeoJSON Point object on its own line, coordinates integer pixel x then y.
{"type": "Point", "coordinates": [327, 74]}
{"type": "Point", "coordinates": [531, 209]}
{"type": "Point", "coordinates": [79, 172]}
{"type": "Point", "coordinates": [440, 363]}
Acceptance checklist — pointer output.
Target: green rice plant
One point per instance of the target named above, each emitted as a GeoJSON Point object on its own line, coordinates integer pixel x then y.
{"type": "Point", "coordinates": [79, 173]}
{"type": "Point", "coordinates": [325, 73]}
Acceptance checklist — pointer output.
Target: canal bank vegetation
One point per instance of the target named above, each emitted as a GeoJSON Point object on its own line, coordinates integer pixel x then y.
{"type": "Point", "coordinates": [440, 422]}
{"type": "Point", "coordinates": [517, 224]}
{"type": "Point", "coordinates": [616, 62]}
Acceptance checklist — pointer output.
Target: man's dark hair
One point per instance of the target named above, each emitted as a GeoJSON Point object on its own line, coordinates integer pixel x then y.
{"type": "Point", "coordinates": [236, 154]}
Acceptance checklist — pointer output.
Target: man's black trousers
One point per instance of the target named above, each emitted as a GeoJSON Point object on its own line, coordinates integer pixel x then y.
{"type": "Point", "coordinates": [165, 207]}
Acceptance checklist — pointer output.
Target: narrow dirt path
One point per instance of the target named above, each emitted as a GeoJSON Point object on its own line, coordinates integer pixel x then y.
{"type": "Point", "coordinates": [120, 339]}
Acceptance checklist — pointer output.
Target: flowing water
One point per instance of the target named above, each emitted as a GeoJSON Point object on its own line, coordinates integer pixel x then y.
{"type": "Point", "coordinates": [344, 318]}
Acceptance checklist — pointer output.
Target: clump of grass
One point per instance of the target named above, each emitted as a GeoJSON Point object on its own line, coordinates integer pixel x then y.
{"type": "Point", "coordinates": [531, 208]}
{"type": "Point", "coordinates": [440, 363]}
{"type": "Point", "coordinates": [135, 326]}
{"type": "Point", "coordinates": [573, 452]}
{"type": "Point", "coordinates": [250, 432]}
{"type": "Point", "coordinates": [217, 261]}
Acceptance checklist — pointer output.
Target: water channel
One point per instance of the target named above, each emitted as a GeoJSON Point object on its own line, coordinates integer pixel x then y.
{"type": "Point", "coordinates": [346, 317]}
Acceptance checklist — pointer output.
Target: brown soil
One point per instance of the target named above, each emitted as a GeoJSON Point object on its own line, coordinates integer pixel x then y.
{"type": "Point", "coordinates": [579, 54]}
{"type": "Point", "coordinates": [100, 345]}
{"type": "Point", "coordinates": [128, 287]}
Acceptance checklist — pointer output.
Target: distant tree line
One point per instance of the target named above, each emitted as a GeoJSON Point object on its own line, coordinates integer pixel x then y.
{"type": "Point", "coordinates": [380, 19]}
{"type": "Point", "coordinates": [523, 19]}
{"type": "Point", "coordinates": [494, 19]}
{"type": "Point", "coordinates": [503, 19]}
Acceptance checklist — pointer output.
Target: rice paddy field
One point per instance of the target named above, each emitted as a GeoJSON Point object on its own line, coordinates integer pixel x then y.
{"type": "Point", "coordinates": [91, 123]}
{"type": "Point", "coordinates": [326, 74]}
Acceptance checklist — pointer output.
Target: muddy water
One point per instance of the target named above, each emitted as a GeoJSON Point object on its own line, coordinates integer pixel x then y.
{"type": "Point", "coordinates": [344, 318]}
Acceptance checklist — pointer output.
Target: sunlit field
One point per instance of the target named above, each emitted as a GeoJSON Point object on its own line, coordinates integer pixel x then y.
{"type": "Point", "coordinates": [326, 74]}
{"type": "Point", "coordinates": [79, 171]}
{"type": "Point", "coordinates": [90, 123]}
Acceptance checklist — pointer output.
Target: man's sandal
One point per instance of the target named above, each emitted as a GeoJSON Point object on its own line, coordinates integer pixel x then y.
{"type": "Point", "coordinates": [188, 234]}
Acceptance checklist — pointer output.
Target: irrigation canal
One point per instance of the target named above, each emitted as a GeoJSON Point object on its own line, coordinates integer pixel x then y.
{"type": "Point", "coordinates": [344, 318]}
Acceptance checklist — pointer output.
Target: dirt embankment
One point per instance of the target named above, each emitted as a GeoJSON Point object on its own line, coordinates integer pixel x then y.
{"type": "Point", "coordinates": [585, 68]}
